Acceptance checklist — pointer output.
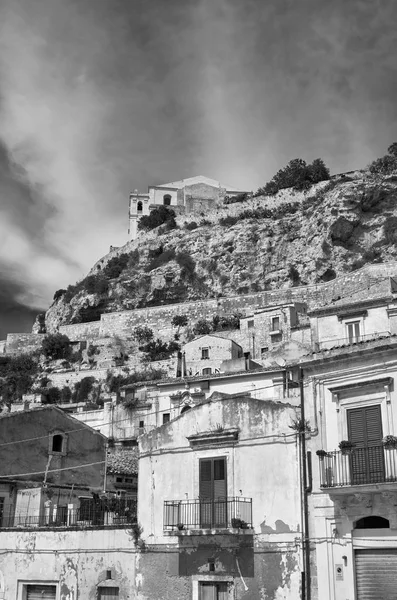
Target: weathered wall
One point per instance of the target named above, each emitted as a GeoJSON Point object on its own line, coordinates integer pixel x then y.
{"type": "Point", "coordinates": [83, 446]}
{"type": "Point", "coordinates": [268, 564]}
{"type": "Point", "coordinates": [265, 441]}
{"type": "Point", "coordinates": [370, 281]}
{"type": "Point", "coordinates": [76, 561]}
{"type": "Point", "coordinates": [21, 343]}
{"type": "Point", "coordinates": [81, 331]}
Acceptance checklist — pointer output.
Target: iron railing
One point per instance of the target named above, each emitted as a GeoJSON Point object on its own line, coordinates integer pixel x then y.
{"type": "Point", "coordinates": [64, 517]}
{"type": "Point", "coordinates": [221, 513]}
{"type": "Point", "coordinates": [370, 464]}
{"type": "Point", "coordinates": [332, 343]}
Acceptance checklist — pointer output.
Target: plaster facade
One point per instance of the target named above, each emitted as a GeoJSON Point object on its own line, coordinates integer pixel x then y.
{"type": "Point", "coordinates": [260, 561]}
{"type": "Point", "coordinates": [350, 395]}
{"type": "Point", "coordinates": [78, 563]}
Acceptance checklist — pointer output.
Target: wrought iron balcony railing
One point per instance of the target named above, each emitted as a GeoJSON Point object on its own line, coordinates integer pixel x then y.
{"type": "Point", "coordinates": [357, 339]}
{"type": "Point", "coordinates": [370, 464]}
{"type": "Point", "coordinates": [221, 513]}
{"type": "Point", "coordinates": [76, 519]}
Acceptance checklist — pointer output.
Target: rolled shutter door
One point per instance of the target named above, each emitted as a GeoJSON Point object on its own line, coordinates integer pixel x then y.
{"type": "Point", "coordinates": [376, 574]}
{"type": "Point", "coordinates": [41, 592]}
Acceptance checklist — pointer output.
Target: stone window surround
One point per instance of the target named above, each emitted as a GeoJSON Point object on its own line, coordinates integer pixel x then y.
{"type": "Point", "coordinates": [197, 579]}
{"type": "Point", "coordinates": [377, 392]}
{"type": "Point", "coordinates": [22, 587]}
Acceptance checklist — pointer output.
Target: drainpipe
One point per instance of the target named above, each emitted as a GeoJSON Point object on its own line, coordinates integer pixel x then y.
{"type": "Point", "coordinates": [305, 490]}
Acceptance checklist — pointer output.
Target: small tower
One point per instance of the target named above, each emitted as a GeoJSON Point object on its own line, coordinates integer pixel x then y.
{"type": "Point", "coordinates": [139, 205]}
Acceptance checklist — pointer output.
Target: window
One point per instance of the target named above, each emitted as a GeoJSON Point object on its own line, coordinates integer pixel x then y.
{"type": "Point", "coordinates": [57, 443]}
{"type": "Point", "coordinates": [141, 424]}
{"type": "Point", "coordinates": [40, 592]}
{"type": "Point", "coordinates": [213, 492]}
{"type": "Point", "coordinates": [205, 353]}
{"type": "Point", "coordinates": [250, 324]}
{"type": "Point", "coordinates": [167, 200]}
{"type": "Point", "coordinates": [108, 593]}
{"type": "Point", "coordinates": [213, 590]}
{"type": "Point", "coordinates": [166, 418]}
{"type": "Point", "coordinates": [264, 350]}
{"type": "Point", "coordinates": [275, 323]}
{"type": "Point", "coordinates": [207, 371]}
{"type": "Point", "coordinates": [185, 409]}
{"type": "Point", "coordinates": [139, 207]}
{"type": "Point", "coordinates": [1, 509]}
{"type": "Point", "coordinates": [353, 331]}
{"type": "Point", "coordinates": [365, 431]}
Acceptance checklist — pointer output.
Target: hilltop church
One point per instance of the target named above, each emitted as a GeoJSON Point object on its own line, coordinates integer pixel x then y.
{"type": "Point", "coordinates": [187, 196]}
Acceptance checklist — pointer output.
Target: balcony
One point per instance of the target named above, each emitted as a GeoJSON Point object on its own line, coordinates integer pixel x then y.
{"type": "Point", "coordinates": [65, 518]}
{"type": "Point", "coordinates": [363, 466]}
{"type": "Point", "coordinates": [220, 514]}
{"type": "Point", "coordinates": [352, 341]}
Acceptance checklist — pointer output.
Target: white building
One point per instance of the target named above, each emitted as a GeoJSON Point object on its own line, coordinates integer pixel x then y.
{"type": "Point", "coordinates": [191, 195]}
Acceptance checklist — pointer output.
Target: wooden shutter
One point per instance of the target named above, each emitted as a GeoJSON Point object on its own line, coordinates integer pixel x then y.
{"type": "Point", "coordinates": [41, 592]}
{"type": "Point", "coordinates": [376, 574]}
{"type": "Point", "coordinates": [365, 431]}
{"type": "Point", "coordinates": [205, 491]}
{"type": "Point", "coordinates": [213, 492]}
{"type": "Point", "coordinates": [108, 593]}
{"type": "Point", "coordinates": [213, 591]}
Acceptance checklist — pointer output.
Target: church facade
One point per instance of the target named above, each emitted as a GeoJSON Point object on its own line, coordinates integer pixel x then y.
{"type": "Point", "coordinates": [189, 196]}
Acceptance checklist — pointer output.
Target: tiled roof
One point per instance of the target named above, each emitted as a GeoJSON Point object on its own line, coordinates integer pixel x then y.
{"type": "Point", "coordinates": [123, 461]}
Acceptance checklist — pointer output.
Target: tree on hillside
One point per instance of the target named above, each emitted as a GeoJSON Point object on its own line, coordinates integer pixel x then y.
{"type": "Point", "coordinates": [56, 345]}
{"type": "Point", "coordinates": [386, 164]}
{"type": "Point", "coordinates": [158, 216]}
{"type": "Point", "coordinates": [297, 175]}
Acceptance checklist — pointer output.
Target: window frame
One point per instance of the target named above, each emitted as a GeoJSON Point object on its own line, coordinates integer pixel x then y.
{"type": "Point", "coordinates": [212, 578]}
{"type": "Point", "coordinates": [64, 450]}
{"type": "Point", "coordinates": [358, 323]}
{"type": "Point", "coordinates": [22, 587]}
{"type": "Point", "coordinates": [205, 353]}
{"type": "Point", "coordinates": [274, 319]}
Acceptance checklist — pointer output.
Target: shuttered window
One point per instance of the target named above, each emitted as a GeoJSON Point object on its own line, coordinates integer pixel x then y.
{"type": "Point", "coordinates": [41, 592]}
{"type": "Point", "coordinates": [365, 431]}
{"type": "Point", "coordinates": [376, 574]}
{"type": "Point", "coordinates": [213, 492]}
{"type": "Point", "coordinates": [108, 593]}
{"type": "Point", "coordinates": [213, 591]}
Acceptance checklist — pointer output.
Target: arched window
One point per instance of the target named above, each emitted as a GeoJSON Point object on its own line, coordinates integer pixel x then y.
{"type": "Point", "coordinates": [372, 522]}
{"type": "Point", "coordinates": [57, 443]}
{"type": "Point", "coordinates": [139, 207]}
{"type": "Point", "coordinates": [167, 200]}
{"type": "Point", "coordinates": [185, 409]}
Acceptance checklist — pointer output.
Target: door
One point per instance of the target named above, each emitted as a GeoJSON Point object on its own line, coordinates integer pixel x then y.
{"type": "Point", "coordinates": [376, 574]}
{"type": "Point", "coordinates": [213, 591]}
{"type": "Point", "coordinates": [213, 493]}
{"type": "Point", "coordinates": [41, 592]}
{"type": "Point", "coordinates": [353, 332]}
{"type": "Point", "coordinates": [365, 431]}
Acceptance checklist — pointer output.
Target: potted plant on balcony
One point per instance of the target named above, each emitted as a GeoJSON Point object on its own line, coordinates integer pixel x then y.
{"type": "Point", "coordinates": [322, 454]}
{"type": "Point", "coordinates": [389, 442]}
{"type": "Point", "coordinates": [346, 446]}
{"type": "Point", "coordinates": [239, 524]}
{"type": "Point", "coordinates": [180, 526]}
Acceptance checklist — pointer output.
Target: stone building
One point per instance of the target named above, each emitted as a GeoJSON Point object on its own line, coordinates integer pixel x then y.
{"type": "Point", "coordinates": [351, 402]}
{"type": "Point", "coordinates": [187, 196]}
{"type": "Point", "coordinates": [219, 503]}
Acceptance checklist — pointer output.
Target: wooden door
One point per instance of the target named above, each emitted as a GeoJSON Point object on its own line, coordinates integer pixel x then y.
{"type": "Point", "coordinates": [365, 431]}
{"type": "Point", "coordinates": [213, 493]}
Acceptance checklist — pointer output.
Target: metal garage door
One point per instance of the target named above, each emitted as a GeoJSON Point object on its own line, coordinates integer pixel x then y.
{"type": "Point", "coordinates": [41, 592]}
{"type": "Point", "coordinates": [376, 574]}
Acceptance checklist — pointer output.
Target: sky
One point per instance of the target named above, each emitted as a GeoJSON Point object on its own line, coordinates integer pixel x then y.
{"type": "Point", "coordinates": [101, 97]}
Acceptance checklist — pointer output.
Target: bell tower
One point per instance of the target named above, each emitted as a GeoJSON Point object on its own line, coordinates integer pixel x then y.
{"type": "Point", "coordinates": [139, 205]}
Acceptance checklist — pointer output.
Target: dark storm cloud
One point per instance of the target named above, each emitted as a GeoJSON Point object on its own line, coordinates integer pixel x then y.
{"type": "Point", "coordinates": [99, 97]}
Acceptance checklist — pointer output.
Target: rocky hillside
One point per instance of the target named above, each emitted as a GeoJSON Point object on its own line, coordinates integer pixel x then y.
{"type": "Point", "coordinates": [293, 238]}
